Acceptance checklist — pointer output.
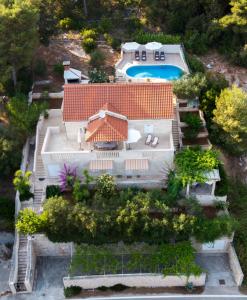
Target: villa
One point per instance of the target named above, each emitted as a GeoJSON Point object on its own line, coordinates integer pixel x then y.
{"type": "Point", "coordinates": [123, 129]}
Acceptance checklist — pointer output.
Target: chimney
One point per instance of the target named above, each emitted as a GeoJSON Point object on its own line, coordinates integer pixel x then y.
{"type": "Point", "coordinates": [66, 65]}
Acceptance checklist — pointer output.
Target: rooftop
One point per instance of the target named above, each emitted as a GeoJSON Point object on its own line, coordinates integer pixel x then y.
{"type": "Point", "coordinates": [135, 101]}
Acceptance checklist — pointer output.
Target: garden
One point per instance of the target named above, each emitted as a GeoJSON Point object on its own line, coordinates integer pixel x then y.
{"type": "Point", "coordinates": [94, 210]}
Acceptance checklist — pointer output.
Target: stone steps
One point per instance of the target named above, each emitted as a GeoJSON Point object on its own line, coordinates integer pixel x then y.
{"type": "Point", "coordinates": [22, 264]}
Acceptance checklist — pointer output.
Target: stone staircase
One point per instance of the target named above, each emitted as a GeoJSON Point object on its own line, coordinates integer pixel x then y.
{"type": "Point", "coordinates": [37, 201]}
{"type": "Point", "coordinates": [40, 171]}
{"type": "Point", "coordinates": [22, 264]}
{"type": "Point", "coordinates": [175, 132]}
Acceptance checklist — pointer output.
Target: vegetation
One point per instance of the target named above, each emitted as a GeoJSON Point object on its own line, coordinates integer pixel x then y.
{"type": "Point", "coordinates": [192, 164]}
{"type": "Point", "coordinates": [22, 184]}
{"type": "Point", "coordinates": [238, 208]}
{"type": "Point", "coordinates": [89, 37]}
{"type": "Point", "coordinates": [97, 59]}
{"type": "Point", "coordinates": [145, 37]}
{"type": "Point", "coordinates": [7, 212]}
{"type": "Point", "coordinates": [129, 215]}
{"type": "Point", "coordinates": [189, 86]}
{"type": "Point", "coordinates": [97, 76]}
{"type": "Point", "coordinates": [194, 123]}
{"type": "Point", "coordinates": [177, 259]}
{"type": "Point", "coordinates": [230, 118]}
{"type": "Point", "coordinates": [72, 291]}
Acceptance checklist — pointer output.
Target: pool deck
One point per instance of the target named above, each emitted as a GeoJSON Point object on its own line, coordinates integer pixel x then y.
{"type": "Point", "coordinates": [127, 60]}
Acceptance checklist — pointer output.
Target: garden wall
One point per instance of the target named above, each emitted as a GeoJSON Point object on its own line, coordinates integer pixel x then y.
{"type": "Point", "coordinates": [235, 265]}
{"type": "Point", "coordinates": [136, 280]}
{"type": "Point", "coordinates": [44, 247]}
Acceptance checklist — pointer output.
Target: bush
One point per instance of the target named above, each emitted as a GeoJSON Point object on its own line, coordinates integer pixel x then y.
{"type": "Point", "coordinates": [97, 76]}
{"type": "Point", "coordinates": [58, 69]}
{"type": "Point", "coordinates": [22, 184]}
{"type": "Point", "coordinates": [189, 86]}
{"type": "Point", "coordinates": [195, 65]}
{"type": "Point", "coordinates": [97, 59]}
{"type": "Point", "coordinates": [119, 287]}
{"type": "Point", "coordinates": [65, 24]}
{"type": "Point", "coordinates": [72, 291]}
{"type": "Point", "coordinates": [113, 42]}
{"type": "Point", "coordinates": [105, 25]}
{"type": "Point", "coordinates": [39, 68]}
{"type": "Point", "coordinates": [89, 44]}
{"type": "Point", "coordinates": [52, 191]}
{"type": "Point", "coordinates": [103, 288]}
{"type": "Point", "coordinates": [194, 123]}
{"type": "Point", "coordinates": [7, 209]}
{"type": "Point", "coordinates": [145, 37]}
{"type": "Point", "coordinates": [222, 185]}
{"type": "Point", "coordinates": [196, 41]}
{"type": "Point", "coordinates": [89, 33]}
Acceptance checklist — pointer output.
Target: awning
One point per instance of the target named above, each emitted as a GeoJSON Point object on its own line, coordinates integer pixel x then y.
{"type": "Point", "coordinates": [136, 164]}
{"type": "Point", "coordinates": [131, 46]}
{"type": "Point", "coordinates": [96, 165]}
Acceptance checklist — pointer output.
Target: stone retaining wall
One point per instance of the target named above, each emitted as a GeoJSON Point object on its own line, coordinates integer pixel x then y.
{"type": "Point", "coordinates": [133, 280]}
{"type": "Point", "coordinates": [235, 265]}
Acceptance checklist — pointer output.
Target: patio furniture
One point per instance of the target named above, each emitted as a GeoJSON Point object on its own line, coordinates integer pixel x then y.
{"type": "Point", "coordinates": [137, 55]}
{"type": "Point", "coordinates": [148, 139]}
{"type": "Point", "coordinates": [144, 55]}
{"type": "Point", "coordinates": [162, 55]}
{"type": "Point", "coordinates": [155, 141]}
{"type": "Point", "coordinates": [156, 55]}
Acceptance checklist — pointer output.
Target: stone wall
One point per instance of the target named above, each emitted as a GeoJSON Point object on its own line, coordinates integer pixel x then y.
{"type": "Point", "coordinates": [136, 280]}
{"type": "Point", "coordinates": [235, 265]}
{"type": "Point", "coordinates": [44, 247]}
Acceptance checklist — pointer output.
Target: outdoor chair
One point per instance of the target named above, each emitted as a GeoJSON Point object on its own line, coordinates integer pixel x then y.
{"type": "Point", "coordinates": [156, 55]}
{"type": "Point", "coordinates": [148, 139]}
{"type": "Point", "coordinates": [137, 55]}
{"type": "Point", "coordinates": [144, 55]}
{"type": "Point", "coordinates": [155, 141]}
{"type": "Point", "coordinates": [162, 55]}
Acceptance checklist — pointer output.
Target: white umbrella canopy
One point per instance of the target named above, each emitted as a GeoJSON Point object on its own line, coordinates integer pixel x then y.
{"type": "Point", "coordinates": [133, 136]}
{"type": "Point", "coordinates": [131, 46]}
{"type": "Point", "coordinates": [153, 46]}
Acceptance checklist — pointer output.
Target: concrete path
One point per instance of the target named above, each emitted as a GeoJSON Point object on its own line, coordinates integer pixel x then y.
{"type": "Point", "coordinates": [218, 270]}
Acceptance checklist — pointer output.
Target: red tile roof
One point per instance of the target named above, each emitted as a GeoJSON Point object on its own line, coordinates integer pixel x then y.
{"type": "Point", "coordinates": [133, 100]}
{"type": "Point", "coordinates": [107, 129]}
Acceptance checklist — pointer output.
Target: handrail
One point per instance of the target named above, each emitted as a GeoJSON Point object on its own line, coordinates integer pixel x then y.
{"type": "Point", "coordinates": [14, 263]}
{"type": "Point", "coordinates": [38, 128]}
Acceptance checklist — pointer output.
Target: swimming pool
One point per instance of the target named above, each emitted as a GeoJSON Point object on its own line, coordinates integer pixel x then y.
{"type": "Point", "coordinates": [167, 72]}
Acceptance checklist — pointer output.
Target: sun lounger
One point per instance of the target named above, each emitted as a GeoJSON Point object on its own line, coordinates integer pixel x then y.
{"type": "Point", "coordinates": [155, 141]}
{"type": "Point", "coordinates": [137, 55]}
{"type": "Point", "coordinates": [148, 139]}
{"type": "Point", "coordinates": [156, 55]}
{"type": "Point", "coordinates": [144, 55]}
{"type": "Point", "coordinates": [162, 55]}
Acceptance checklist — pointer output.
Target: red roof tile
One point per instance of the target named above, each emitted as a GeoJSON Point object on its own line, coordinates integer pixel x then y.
{"type": "Point", "coordinates": [107, 129]}
{"type": "Point", "coordinates": [134, 100]}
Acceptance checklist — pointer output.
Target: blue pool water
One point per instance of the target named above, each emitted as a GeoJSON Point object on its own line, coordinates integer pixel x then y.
{"type": "Point", "coordinates": [167, 72]}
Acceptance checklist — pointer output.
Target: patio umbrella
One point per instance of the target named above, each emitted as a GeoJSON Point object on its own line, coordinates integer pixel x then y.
{"type": "Point", "coordinates": [153, 46]}
{"type": "Point", "coordinates": [133, 136]}
{"type": "Point", "coordinates": [131, 46]}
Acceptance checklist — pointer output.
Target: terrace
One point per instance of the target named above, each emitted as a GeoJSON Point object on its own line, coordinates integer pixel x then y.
{"type": "Point", "coordinates": [173, 56]}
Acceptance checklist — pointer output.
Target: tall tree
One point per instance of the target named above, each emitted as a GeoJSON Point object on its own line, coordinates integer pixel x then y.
{"type": "Point", "coordinates": [18, 36]}
{"type": "Point", "coordinates": [230, 116]}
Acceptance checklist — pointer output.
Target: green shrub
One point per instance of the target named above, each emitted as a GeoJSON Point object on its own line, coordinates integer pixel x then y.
{"type": "Point", "coordinates": [190, 86]}
{"type": "Point", "coordinates": [118, 287]}
{"type": "Point", "coordinates": [222, 185]}
{"type": "Point", "coordinates": [89, 33]}
{"type": "Point", "coordinates": [145, 37]}
{"type": "Point", "coordinates": [39, 68]}
{"type": "Point", "coordinates": [196, 41]}
{"type": "Point", "coordinates": [194, 123]}
{"type": "Point", "coordinates": [103, 288]}
{"type": "Point", "coordinates": [22, 184]}
{"type": "Point", "coordinates": [58, 69]}
{"type": "Point", "coordinates": [112, 41]}
{"type": "Point", "coordinates": [97, 76]}
{"type": "Point", "coordinates": [195, 65]}
{"type": "Point", "coordinates": [72, 291]}
{"type": "Point", "coordinates": [7, 209]}
{"type": "Point", "coordinates": [52, 191]}
{"type": "Point", "coordinates": [97, 59]}
{"type": "Point", "coordinates": [105, 25]}
{"type": "Point", "coordinates": [65, 24]}
{"type": "Point", "coordinates": [89, 44]}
